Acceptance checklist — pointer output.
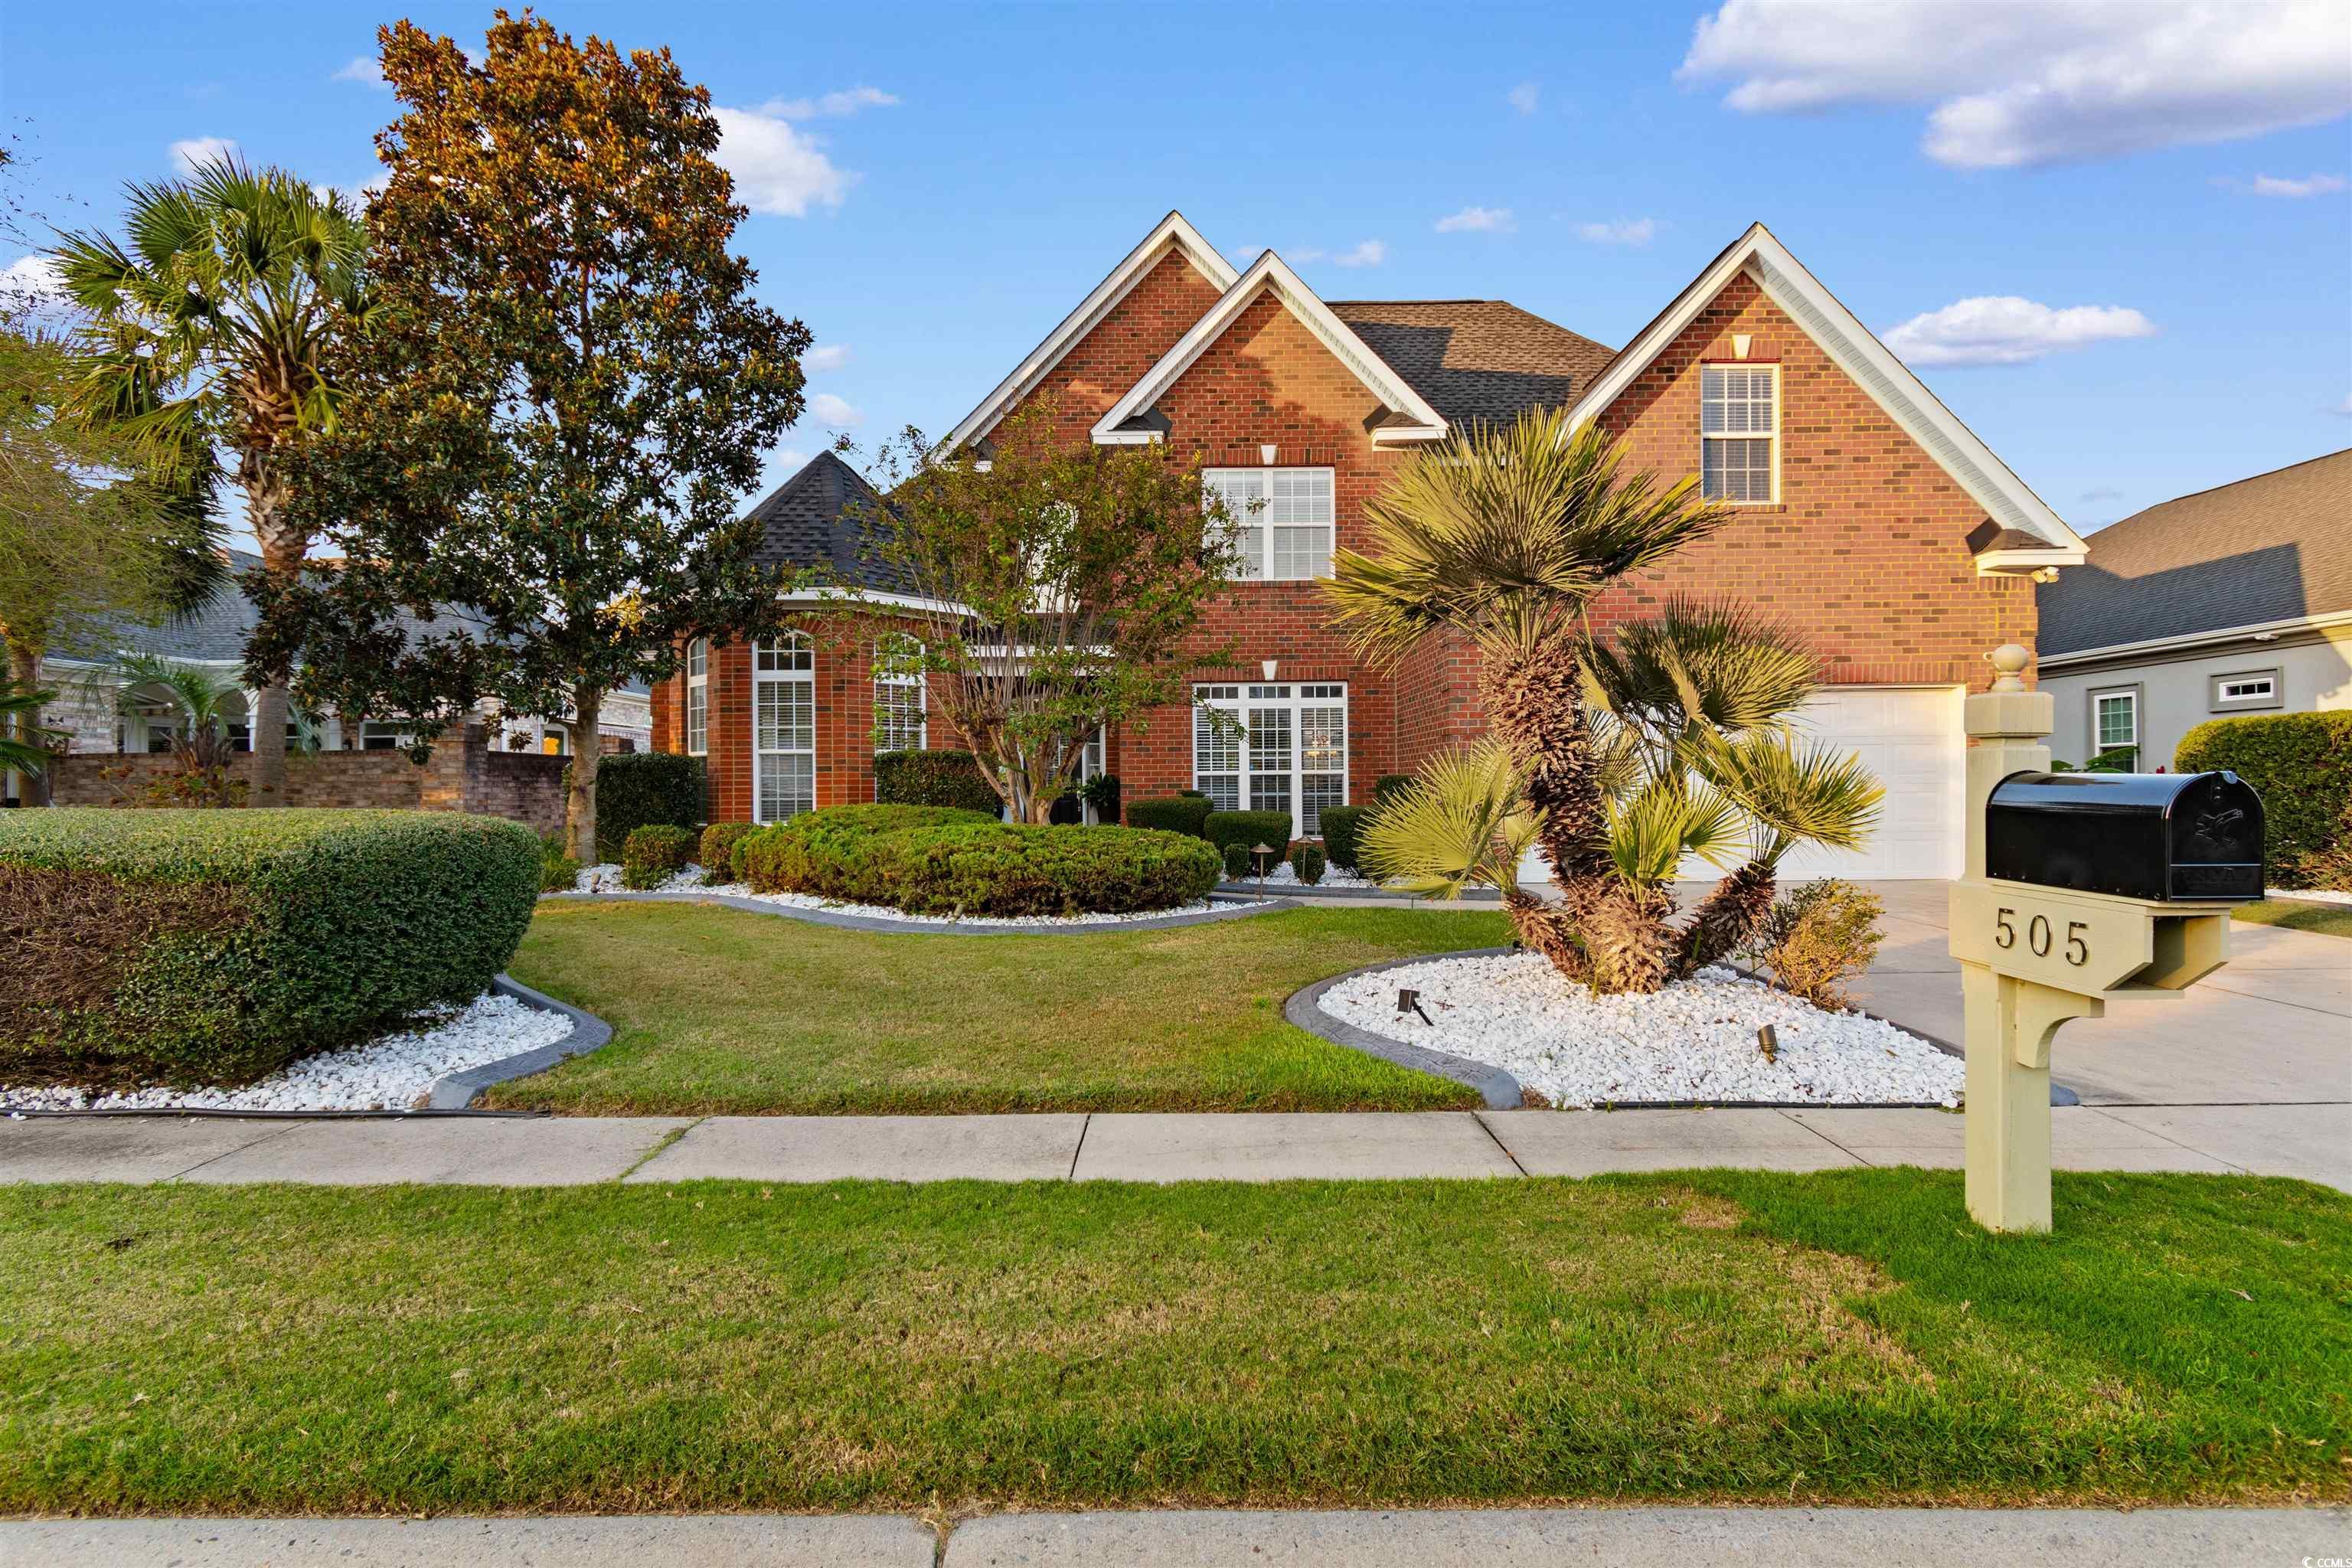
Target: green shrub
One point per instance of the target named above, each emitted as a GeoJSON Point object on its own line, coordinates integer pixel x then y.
{"type": "Point", "coordinates": [2300, 763]}
{"type": "Point", "coordinates": [1307, 862]}
{"type": "Point", "coordinates": [1170, 813]}
{"type": "Point", "coordinates": [1239, 863]}
{"type": "Point", "coordinates": [216, 946]}
{"type": "Point", "coordinates": [638, 789]}
{"type": "Point", "coordinates": [1101, 792]}
{"type": "Point", "coordinates": [1817, 937]}
{"type": "Point", "coordinates": [933, 778]}
{"type": "Point", "coordinates": [1270, 828]}
{"type": "Point", "coordinates": [558, 871]}
{"type": "Point", "coordinates": [1194, 794]}
{"type": "Point", "coordinates": [1388, 786]}
{"type": "Point", "coordinates": [653, 854]}
{"type": "Point", "coordinates": [716, 853]}
{"type": "Point", "coordinates": [1343, 828]}
{"type": "Point", "coordinates": [928, 860]}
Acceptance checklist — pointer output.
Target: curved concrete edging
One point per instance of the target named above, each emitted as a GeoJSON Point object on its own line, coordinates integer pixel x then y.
{"type": "Point", "coordinates": [943, 928]}
{"type": "Point", "coordinates": [460, 1089]}
{"type": "Point", "coordinates": [1504, 1092]}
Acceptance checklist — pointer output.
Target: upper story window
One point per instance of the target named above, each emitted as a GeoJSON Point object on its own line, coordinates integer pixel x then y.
{"type": "Point", "coordinates": [1739, 432]}
{"type": "Point", "coordinates": [698, 696]}
{"type": "Point", "coordinates": [1281, 518]}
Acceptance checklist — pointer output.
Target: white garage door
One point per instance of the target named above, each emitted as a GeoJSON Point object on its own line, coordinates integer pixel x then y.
{"type": "Point", "coordinates": [1909, 736]}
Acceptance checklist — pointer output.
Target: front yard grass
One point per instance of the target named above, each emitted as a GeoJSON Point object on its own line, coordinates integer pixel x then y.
{"type": "Point", "coordinates": [2298, 914]}
{"type": "Point", "coordinates": [1715, 1335]}
{"type": "Point", "coordinates": [720, 1011]}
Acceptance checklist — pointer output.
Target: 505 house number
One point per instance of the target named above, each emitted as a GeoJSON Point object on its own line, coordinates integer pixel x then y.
{"type": "Point", "coordinates": [2041, 936]}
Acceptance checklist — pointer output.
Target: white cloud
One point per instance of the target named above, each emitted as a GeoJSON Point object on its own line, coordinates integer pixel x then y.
{"type": "Point", "coordinates": [831, 106]}
{"type": "Point", "coordinates": [777, 169]}
{"type": "Point", "coordinates": [364, 69]}
{"type": "Point", "coordinates": [1619, 231]}
{"type": "Point", "coordinates": [2050, 82]}
{"type": "Point", "coordinates": [2006, 329]}
{"type": "Point", "coordinates": [2317, 185]}
{"type": "Point", "coordinates": [200, 150]}
{"type": "Point", "coordinates": [834, 411]}
{"type": "Point", "coordinates": [2100, 493]}
{"type": "Point", "coordinates": [1478, 220]}
{"type": "Point", "coordinates": [32, 278]}
{"type": "Point", "coordinates": [2345, 409]}
{"type": "Point", "coordinates": [1523, 97]}
{"type": "Point", "coordinates": [825, 357]}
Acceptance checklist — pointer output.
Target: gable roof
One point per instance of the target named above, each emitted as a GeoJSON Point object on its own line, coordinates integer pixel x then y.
{"type": "Point", "coordinates": [1477, 359]}
{"type": "Point", "coordinates": [1126, 422]}
{"type": "Point", "coordinates": [816, 518]}
{"type": "Point", "coordinates": [2276, 547]}
{"type": "Point", "coordinates": [1174, 233]}
{"type": "Point", "coordinates": [1873, 367]}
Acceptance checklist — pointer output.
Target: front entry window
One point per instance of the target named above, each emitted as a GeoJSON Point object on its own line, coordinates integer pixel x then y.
{"type": "Point", "coordinates": [1278, 748]}
{"type": "Point", "coordinates": [784, 727]}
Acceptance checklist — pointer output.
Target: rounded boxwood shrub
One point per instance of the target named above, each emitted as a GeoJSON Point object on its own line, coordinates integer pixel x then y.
{"type": "Point", "coordinates": [1307, 862]}
{"type": "Point", "coordinates": [635, 789]}
{"type": "Point", "coordinates": [1240, 864]}
{"type": "Point", "coordinates": [1270, 828]}
{"type": "Point", "coordinates": [197, 946]}
{"type": "Point", "coordinates": [653, 854]}
{"type": "Point", "coordinates": [1343, 830]}
{"type": "Point", "coordinates": [932, 778]}
{"type": "Point", "coordinates": [2300, 763]}
{"type": "Point", "coordinates": [810, 854]}
{"type": "Point", "coordinates": [716, 852]}
{"type": "Point", "coordinates": [1170, 813]}
{"type": "Point", "coordinates": [1388, 786]}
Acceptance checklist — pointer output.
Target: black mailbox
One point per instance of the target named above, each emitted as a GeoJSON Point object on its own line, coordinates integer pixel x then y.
{"type": "Point", "coordinates": [2143, 836]}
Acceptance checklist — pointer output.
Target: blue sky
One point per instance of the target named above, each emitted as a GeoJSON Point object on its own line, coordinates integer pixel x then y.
{"type": "Point", "coordinates": [2147, 202]}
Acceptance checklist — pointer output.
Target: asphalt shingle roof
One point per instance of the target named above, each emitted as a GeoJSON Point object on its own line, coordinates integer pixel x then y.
{"type": "Point", "coordinates": [1477, 359]}
{"type": "Point", "coordinates": [2270, 548]}
{"type": "Point", "coordinates": [818, 518]}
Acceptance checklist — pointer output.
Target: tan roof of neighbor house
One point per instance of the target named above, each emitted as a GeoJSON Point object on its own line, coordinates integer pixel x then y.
{"type": "Point", "coordinates": [2272, 548]}
{"type": "Point", "coordinates": [1477, 359]}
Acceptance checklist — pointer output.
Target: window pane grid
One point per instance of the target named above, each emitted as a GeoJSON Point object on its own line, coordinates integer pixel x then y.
{"type": "Point", "coordinates": [1282, 521]}
{"type": "Point", "coordinates": [1738, 425]}
{"type": "Point", "coordinates": [784, 727]}
{"type": "Point", "coordinates": [1291, 755]}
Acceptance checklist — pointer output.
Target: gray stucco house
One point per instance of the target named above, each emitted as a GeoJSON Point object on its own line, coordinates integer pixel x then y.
{"type": "Point", "coordinates": [2234, 600]}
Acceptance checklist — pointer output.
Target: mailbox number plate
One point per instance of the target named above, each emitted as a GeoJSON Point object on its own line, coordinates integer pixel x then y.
{"type": "Point", "coordinates": [2041, 935]}
{"type": "Point", "coordinates": [2075, 942]}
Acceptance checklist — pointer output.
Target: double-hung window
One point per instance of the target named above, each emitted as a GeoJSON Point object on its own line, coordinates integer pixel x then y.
{"type": "Point", "coordinates": [1281, 519]}
{"type": "Point", "coordinates": [698, 696]}
{"type": "Point", "coordinates": [899, 721]}
{"type": "Point", "coordinates": [2114, 725]}
{"type": "Point", "coordinates": [1272, 748]}
{"type": "Point", "coordinates": [1739, 432]}
{"type": "Point", "coordinates": [784, 727]}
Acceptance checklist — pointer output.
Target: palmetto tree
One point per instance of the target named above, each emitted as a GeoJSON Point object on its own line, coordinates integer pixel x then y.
{"type": "Point", "coordinates": [22, 737]}
{"type": "Point", "coordinates": [217, 328]}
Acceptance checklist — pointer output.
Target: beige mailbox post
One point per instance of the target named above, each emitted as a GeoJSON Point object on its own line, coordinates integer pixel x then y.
{"type": "Point", "coordinates": [2032, 957]}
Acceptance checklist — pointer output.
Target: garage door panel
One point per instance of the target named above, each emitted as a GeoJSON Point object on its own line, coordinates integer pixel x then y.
{"type": "Point", "coordinates": [1910, 740]}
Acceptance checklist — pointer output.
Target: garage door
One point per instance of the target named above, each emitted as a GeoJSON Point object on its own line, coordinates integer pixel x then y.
{"type": "Point", "coordinates": [1909, 736]}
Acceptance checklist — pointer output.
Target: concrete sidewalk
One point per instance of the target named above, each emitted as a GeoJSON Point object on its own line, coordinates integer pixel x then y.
{"type": "Point", "coordinates": [1803, 1538]}
{"type": "Point", "coordinates": [2305, 1141]}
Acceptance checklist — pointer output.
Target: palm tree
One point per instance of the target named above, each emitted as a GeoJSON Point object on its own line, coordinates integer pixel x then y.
{"type": "Point", "coordinates": [1505, 536]}
{"type": "Point", "coordinates": [219, 327]}
{"type": "Point", "coordinates": [21, 737]}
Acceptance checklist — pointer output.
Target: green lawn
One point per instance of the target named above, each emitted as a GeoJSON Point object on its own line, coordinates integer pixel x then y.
{"type": "Point", "coordinates": [717, 1010]}
{"type": "Point", "coordinates": [2297, 914]}
{"type": "Point", "coordinates": [1774, 1338]}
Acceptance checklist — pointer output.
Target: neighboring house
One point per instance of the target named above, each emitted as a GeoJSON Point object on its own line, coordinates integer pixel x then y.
{"type": "Point", "coordinates": [1868, 516]}
{"type": "Point", "coordinates": [88, 706]}
{"type": "Point", "coordinates": [2235, 600]}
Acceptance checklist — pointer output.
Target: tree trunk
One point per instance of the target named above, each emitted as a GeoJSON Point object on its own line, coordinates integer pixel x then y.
{"type": "Point", "coordinates": [24, 673]}
{"type": "Point", "coordinates": [1726, 917]}
{"type": "Point", "coordinates": [580, 790]}
{"type": "Point", "coordinates": [282, 549]}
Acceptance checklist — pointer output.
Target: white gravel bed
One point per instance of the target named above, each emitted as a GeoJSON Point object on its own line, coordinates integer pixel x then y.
{"type": "Point", "coordinates": [885, 913]}
{"type": "Point", "coordinates": [1693, 1040]}
{"type": "Point", "coordinates": [1282, 876]}
{"type": "Point", "coordinates": [390, 1073]}
{"type": "Point", "coordinates": [606, 878]}
{"type": "Point", "coordinates": [2308, 895]}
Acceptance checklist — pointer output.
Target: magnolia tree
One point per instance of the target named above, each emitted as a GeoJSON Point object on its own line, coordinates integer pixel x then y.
{"type": "Point", "coordinates": [1054, 590]}
{"type": "Point", "coordinates": [568, 386]}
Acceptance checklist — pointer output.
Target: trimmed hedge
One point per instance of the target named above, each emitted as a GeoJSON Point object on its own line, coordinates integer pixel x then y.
{"type": "Point", "coordinates": [933, 778]}
{"type": "Point", "coordinates": [716, 851]}
{"type": "Point", "coordinates": [1239, 864]}
{"type": "Point", "coordinates": [1185, 814]}
{"type": "Point", "coordinates": [639, 789]}
{"type": "Point", "coordinates": [1343, 830]}
{"type": "Point", "coordinates": [653, 854]}
{"type": "Point", "coordinates": [199, 946]}
{"type": "Point", "coordinates": [1270, 828]}
{"type": "Point", "coordinates": [1307, 862]}
{"type": "Point", "coordinates": [918, 862]}
{"type": "Point", "coordinates": [2300, 763]}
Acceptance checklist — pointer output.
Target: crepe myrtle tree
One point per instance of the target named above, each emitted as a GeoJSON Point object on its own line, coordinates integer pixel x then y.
{"type": "Point", "coordinates": [535, 491]}
{"type": "Point", "coordinates": [1054, 589]}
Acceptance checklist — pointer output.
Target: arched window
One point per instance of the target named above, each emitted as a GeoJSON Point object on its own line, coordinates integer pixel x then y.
{"type": "Point", "coordinates": [784, 727]}
{"type": "Point", "coordinates": [899, 717]}
{"type": "Point", "coordinates": [698, 696]}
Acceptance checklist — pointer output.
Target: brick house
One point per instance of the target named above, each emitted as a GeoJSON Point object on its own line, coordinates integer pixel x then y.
{"type": "Point", "coordinates": [1867, 514]}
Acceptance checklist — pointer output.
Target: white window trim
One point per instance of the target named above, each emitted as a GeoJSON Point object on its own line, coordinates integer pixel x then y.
{"type": "Point", "coordinates": [921, 684]}
{"type": "Point", "coordinates": [2099, 744]}
{"type": "Point", "coordinates": [697, 733]}
{"type": "Point", "coordinates": [1265, 473]}
{"type": "Point", "coordinates": [1704, 437]}
{"type": "Point", "coordinates": [759, 678]}
{"type": "Point", "coordinates": [1242, 705]}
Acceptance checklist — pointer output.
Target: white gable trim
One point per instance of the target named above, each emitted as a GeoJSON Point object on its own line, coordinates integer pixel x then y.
{"type": "Point", "coordinates": [1270, 273]}
{"type": "Point", "coordinates": [1872, 365]}
{"type": "Point", "coordinates": [1172, 233]}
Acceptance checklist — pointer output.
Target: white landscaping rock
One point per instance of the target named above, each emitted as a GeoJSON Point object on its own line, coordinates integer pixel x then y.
{"type": "Point", "coordinates": [1695, 1040]}
{"type": "Point", "coordinates": [1282, 876]}
{"type": "Point", "coordinates": [2308, 895]}
{"type": "Point", "coordinates": [885, 913]}
{"type": "Point", "coordinates": [606, 878]}
{"type": "Point", "coordinates": [390, 1073]}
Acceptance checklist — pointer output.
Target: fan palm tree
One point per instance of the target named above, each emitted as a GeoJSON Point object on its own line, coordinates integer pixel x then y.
{"type": "Point", "coordinates": [1505, 536]}
{"type": "Point", "coordinates": [23, 748]}
{"type": "Point", "coordinates": [219, 327]}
